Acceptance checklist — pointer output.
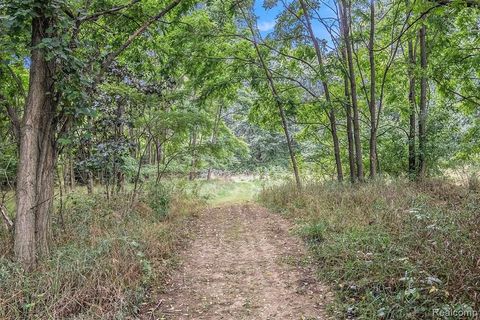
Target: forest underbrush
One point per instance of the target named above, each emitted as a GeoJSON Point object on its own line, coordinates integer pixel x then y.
{"type": "Point", "coordinates": [391, 249]}
{"type": "Point", "coordinates": [106, 256]}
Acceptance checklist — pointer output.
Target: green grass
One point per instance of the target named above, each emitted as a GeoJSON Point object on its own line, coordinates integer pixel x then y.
{"type": "Point", "coordinates": [220, 192]}
{"type": "Point", "coordinates": [390, 250]}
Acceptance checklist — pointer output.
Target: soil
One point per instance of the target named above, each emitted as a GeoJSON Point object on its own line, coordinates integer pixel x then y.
{"type": "Point", "coordinates": [243, 263]}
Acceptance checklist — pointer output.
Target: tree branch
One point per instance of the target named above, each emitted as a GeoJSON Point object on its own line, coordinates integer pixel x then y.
{"type": "Point", "coordinates": [12, 114]}
{"type": "Point", "coordinates": [113, 55]}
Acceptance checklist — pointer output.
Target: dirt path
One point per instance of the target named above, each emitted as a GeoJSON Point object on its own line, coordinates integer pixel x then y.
{"type": "Point", "coordinates": [242, 264]}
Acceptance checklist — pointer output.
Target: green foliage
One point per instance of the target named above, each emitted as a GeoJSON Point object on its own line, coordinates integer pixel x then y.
{"type": "Point", "coordinates": [158, 197]}
{"type": "Point", "coordinates": [313, 232]}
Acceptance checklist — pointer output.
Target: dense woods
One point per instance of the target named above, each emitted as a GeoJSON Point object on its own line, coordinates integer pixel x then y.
{"type": "Point", "coordinates": [121, 97]}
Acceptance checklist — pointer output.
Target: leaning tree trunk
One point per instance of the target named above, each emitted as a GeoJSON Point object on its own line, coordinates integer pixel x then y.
{"type": "Point", "coordinates": [279, 105]}
{"type": "Point", "coordinates": [34, 193]}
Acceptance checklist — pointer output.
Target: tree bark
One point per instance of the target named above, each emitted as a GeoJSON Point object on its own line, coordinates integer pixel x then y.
{"type": "Point", "coordinates": [120, 139]}
{"type": "Point", "coordinates": [412, 163]}
{"type": "Point", "coordinates": [344, 14]}
{"type": "Point", "coordinates": [373, 108]}
{"type": "Point", "coordinates": [90, 182]}
{"type": "Point", "coordinates": [193, 162]}
{"type": "Point", "coordinates": [159, 157]}
{"type": "Point", "coordinates": [71, 174]}
{"type": "Point", "coordinates": [34, 192]}
{"type": "Point", "coordinates": [351, 144]}
{"type": "Point", "coordinates": [331, 113]}
{"type": "Point", "coordinates": [422, 165]}
{"type": "Point", "coordinates": [37, 152]}
{"type": "Point", "coordinates": [45, 192]}
{"type": "Point", "coordinates": [214, 135]}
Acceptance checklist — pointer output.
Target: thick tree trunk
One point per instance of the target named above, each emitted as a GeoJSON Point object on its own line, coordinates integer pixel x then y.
{"type": "Point", "coordinates": [344, 14]}
{"type": "Point", "coordinates": [422, 165]}
{"type": "Point", "coordinates": [331, 114]}
{"type": "Point", "coordinates": [373, 108]}
{"type": "Point", "coordinates": [45, 192]}
{"type": "Point", "coordinates": [34, 194]}
{"type": "Point", "coordinates": [412, 163]}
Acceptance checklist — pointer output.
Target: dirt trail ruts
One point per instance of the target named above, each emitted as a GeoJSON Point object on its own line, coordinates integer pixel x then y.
{"type": "Point", "coordinates": [242, 264]}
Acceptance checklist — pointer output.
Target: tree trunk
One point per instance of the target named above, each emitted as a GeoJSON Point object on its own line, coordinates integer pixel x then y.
{"type": "Point", "coordinates": [412, 170]}
{"type": "Point", "coordinates": [120, 139]}
{"type": "Point", "coordinates": [214, 136]}
{"type": "Point", "coordinates": [336, 145]}
{"type": "Point", "coordinates": [344, 14]}
{"type": "Point", "coordinates": [279, 105]}
{"type": "Point", "coordinates": [331, 114]}
{"type": "Point", "coordinates": [422, 166]}
{"type": "Point", "coordinates": [72, 172]}
{"type": "Point", "coordinates": [351, 146]}
{"type": "Point", "coordinates": [45, 192]}
{"type": "Point", "coordinates": [34, 194]}
{"type": "Point", "coordinates": [90, 182]}
{"type": "Point", "coordinates": [159, 158]}
{"type": "Point", "coordinates": [193, 162]}
{"type": "Point", "coordinates": [373, 108]}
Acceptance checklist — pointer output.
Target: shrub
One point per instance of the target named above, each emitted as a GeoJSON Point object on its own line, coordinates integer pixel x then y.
{"type": "Point", "coordinates": [158, 197]}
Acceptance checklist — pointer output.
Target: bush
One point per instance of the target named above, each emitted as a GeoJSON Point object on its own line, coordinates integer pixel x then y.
{"type": "Point", "coordinates": [158, 197]}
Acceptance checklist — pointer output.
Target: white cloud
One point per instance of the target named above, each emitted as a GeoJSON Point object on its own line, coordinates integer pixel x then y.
{"type": "Point", "coordinates": [264, 26]}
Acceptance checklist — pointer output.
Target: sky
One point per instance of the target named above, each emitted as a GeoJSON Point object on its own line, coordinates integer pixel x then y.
{"type": "Point", "coordinates": [267, 19]}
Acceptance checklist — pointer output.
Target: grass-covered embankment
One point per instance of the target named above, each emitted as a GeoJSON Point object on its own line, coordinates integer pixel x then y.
{"type": "Point", "coordinates": [394, 250]}
{"type": "Point", "coordinates": [105, 258]}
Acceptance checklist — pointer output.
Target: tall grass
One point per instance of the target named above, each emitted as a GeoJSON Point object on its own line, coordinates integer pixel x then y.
{"type": "Point", "coordinates": [391, 250]}
{"type": "Point", "coordinates": [104, 260]}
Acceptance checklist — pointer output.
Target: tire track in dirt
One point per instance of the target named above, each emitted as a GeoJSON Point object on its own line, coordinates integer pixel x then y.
{"type": "Point", "coordinates": [243, 264]}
